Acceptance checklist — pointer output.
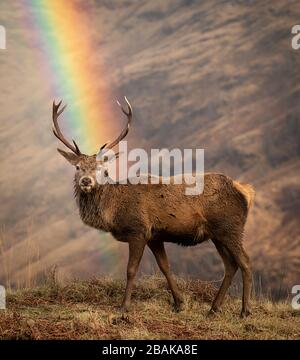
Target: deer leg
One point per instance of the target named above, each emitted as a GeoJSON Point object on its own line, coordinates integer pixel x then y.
{"type": "Point", "coordinates": [230, 267]}
{"type": "Point", "coordinates": [136, 250]}
{"type": "Point", "coordinates": [242, 259]}
{"type": "Point", "coordinates": [158, 250]}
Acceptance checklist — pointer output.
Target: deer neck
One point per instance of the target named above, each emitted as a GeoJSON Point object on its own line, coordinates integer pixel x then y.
{"type": "Point", "coordinates": [91, 207]}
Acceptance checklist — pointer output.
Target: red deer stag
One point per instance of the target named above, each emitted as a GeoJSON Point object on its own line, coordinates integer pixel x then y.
{"type": "Point", "coordinates": [156, 213]}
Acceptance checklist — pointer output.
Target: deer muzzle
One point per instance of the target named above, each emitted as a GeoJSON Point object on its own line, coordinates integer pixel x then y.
{"type": "Point", "coordinates": [86, 183]}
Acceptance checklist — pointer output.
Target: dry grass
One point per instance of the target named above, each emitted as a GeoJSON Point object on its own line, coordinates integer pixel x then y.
{"type": "Point", "coordinates": [89, 310]}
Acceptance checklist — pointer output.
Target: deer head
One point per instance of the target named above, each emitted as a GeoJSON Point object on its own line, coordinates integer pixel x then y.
{"type": "Point", "coordinates": [87, 165]}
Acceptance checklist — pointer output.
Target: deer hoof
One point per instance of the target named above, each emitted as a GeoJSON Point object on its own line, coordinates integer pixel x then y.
{"type": "Point", "coordinates": [124, 309]}
{"type": "Point", "coordinates": [245, 313]}
{"type": "Point", "coordinates": [212, 312]}
{"type": "Point", "coordinates": [124, 313]}
{"type": "Point", "coordinates": [179, 306]}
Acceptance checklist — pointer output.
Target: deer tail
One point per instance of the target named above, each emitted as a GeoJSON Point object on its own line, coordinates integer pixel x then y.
{"type": "Point", "coordinates": [247, 191]}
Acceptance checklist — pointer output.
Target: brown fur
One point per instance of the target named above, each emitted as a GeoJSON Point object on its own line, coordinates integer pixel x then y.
{"type": "Point", "coordinates": [153, 214]}
{"type": "Point", "coordinates": [247, 190]}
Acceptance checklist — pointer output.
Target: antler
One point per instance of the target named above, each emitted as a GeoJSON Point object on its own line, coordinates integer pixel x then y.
{"type": "Point", "coordinates": [56, 130]}
{"type": "Point", "coordinates": [124, 132]}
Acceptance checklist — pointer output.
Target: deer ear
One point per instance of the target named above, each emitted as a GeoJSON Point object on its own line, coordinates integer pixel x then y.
{"type": "Point", "coordinates": [72, 158]}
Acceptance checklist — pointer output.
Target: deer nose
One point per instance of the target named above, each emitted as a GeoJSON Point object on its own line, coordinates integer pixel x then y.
{"type": "Point", "coordinates": [85, 181]}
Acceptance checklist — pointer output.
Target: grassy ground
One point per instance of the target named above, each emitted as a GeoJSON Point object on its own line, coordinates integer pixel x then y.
{"type": "Point", "coordinates": [89, 310]}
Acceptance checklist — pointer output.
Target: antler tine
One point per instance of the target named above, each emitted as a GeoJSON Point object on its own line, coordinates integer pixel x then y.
{"type": "Point", "coordinates": [56, 130]}
{"type": "Point", "coordinates": [77, 148]}
{"type": "Point", "coordinates": [103, 146]}
{"type": "Point", "coordinates": [124, 132]}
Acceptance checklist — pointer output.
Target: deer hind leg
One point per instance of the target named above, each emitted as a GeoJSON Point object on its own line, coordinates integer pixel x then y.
{"type": "Point", "coordinates": [158, 250]}
{"type": "Point", "coordinates": [230, 267]}
{"type": "Point", "coordinates": [136, 250]}
{"type": "Point", "coordinates": [242, 259]}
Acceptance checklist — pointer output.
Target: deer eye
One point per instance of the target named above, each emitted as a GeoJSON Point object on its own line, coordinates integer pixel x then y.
{"type": "Point", "coordinates": [77, 167]}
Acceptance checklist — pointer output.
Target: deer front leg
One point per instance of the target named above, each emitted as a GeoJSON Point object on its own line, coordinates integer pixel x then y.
{"type": "Point", "coordinates": [136, 250]}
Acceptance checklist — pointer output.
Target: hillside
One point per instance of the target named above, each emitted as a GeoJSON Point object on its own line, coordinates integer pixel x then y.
{"type": "Point", "coordinates": [88, 310]}
{"type": "Point", "coordinates": [219, 75]}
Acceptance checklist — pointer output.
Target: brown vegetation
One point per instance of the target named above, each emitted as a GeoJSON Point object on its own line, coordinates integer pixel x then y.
{"type": "Point", "coordinates": [89, 310]}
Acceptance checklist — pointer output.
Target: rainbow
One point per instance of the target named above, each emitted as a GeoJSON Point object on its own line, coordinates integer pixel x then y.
{"type": "Point", "coordinates": [75, 69]}
{"type": "Point", "coordinates": [71, 63]}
